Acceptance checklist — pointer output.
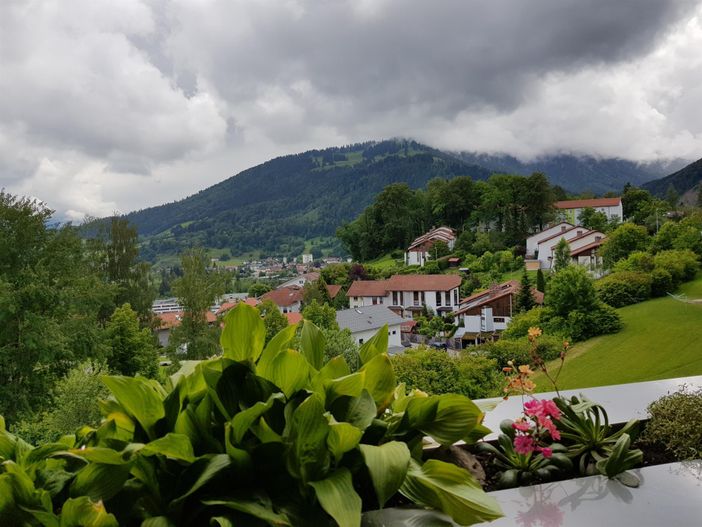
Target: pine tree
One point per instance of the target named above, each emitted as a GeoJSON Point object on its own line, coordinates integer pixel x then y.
{"type": "Point", "coordinates": [561, 259]}
{"type": "Point", "coordinates": [540, 281]}
{"type": "Point", "coordinates": [525, 300]}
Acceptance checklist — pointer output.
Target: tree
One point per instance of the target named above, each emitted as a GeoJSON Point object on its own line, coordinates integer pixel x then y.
{"type": "Point", "coordinates": [594, 220]}
{"type": "Point", "coordinates": [132, 349]}
{"type": "Point", "coordinates": [321, 315]}
{"type": "Point", "coordinates": [525, 297]}
{"type": "Point", "coordinates": [439, 249]}
{"type": "Point", "coordinates": [341, 342]}
{"type": "Point", "coordinates": [273, 319]}
{"type": "Point", "coordinates": [196, 291]}
{"type": "Point", "coordinates": [561, 258]}
{"type": "Point", "coordinates": [258, 288]}
{"type": "Point", "coordinates": [540, 281]}
{"type": "Point", "coordinates": [622, 241]}
{"type": "Point", "coordinates": [571, 289]}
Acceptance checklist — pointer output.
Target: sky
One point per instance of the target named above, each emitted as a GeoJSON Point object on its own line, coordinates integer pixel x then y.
{"type": "Point", "coordinates": [108, 107]}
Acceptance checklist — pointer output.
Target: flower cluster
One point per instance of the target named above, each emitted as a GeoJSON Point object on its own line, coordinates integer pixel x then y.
{"type": "Point", "coordinates": [536, 428]}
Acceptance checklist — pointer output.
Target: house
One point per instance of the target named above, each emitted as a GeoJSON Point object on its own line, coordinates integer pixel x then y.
{"type": "Point", "coordinates": [545, 248]}
{"type": "Point", "coordinates": [169, 320]}
{"type": "Point", "coordinates": [307, 259]}
{"type": "Point", "coordinates": [408, 294]}
{"type": "Point", "coordinates": [226, 306]}
{"type": "Point", "coordinates": [419, 251]}
{"type": "Point", "coordinates": [288, 299]}
{"type": "Point", "coordinates": [365, 321]}
{"type": "Point", "coordinates": [570, 209]}
{"type": "Point", "coordinates": [533, 241]}
{"type": "Point", "coordinates": [483, 315]}
{"type": "Point", "coordinates": [582, 242]}
{"type": "Point", "coordinates": [300, 280]}
{"type": "Point", "coordinates": [293, 318]}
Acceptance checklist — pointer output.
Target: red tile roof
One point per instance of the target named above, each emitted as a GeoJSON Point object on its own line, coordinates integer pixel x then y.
{"type": "Point", "coordinates": [558, 234]}
{"type": "Point", "coordinates": [444, 234]}
{"type": "Point", "coordinates": [293, 318]}
{"type": "Point", "coordinates": [586, 248]}
{"type": "Point", "coordinates": [495, 292]}
{"type": "Point", "coordinates": [229, 305]}
{"type": "Point", "coordinates": [583, 203]}
{"type": "Point", "coordinates": [333, 290]}
{"type": "Point", "coordinates": [368, 288]}
{"type": "Point", "coordinates": [423, 282]}
{"type": "Point", "coordinates": [285, 296]}
{"type": "Point", "coordinates": [174, 318]}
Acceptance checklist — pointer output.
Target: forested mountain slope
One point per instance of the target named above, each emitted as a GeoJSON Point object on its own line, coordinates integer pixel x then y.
{"type": "Point", "coordinates": [683, 181]}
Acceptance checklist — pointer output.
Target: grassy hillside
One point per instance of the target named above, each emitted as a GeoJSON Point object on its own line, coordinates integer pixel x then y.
{"type": "Point", "coordinates": [661, 338]}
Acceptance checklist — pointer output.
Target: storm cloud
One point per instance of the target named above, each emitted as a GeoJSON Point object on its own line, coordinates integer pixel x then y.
{"type": "Point", "coordinates": [111, 106]}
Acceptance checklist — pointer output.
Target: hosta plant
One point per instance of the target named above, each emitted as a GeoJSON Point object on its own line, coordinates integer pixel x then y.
{"type": "Point", "coordinates": [261, 436]}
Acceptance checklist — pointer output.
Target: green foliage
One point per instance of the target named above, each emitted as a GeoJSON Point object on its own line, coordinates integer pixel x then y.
{"type": "Point", "coordinates": [571, 289]}
{"type": "Point", "coordinates": [624, 287]}
{"type": "Point", "coordinates": [561, 258]}
{"type": "Point", "coordinates": [263, 435]}
{"type": "Point", "coordinates": [273, 319]}
{"type": "Point", "coordinates": [676, 423]}
{"type": "Point", "coordinates": [340, 342]}
{"type": "Point", "coordinates": [258, 288]}
{"type": "Point", "coordinates": [540, 281]}
{"type": "Point", "coordinates": [682, 265]}
{"type": "Point", "coordinates": [521, 351]}
{"type": "Point", "coordinates": [132, 350]}
{"type": "Point", "coordinates": [434, 371]}
{"type": "Point", "coordinates": [593, 220]}
{"type": "Point", "coordinates": [582, 325]}
{"type": "Point", "coordinates": [521, 322]}
{"type": "Point", "coordinates": [638, 261]}
{"type": "Point", "coordinates": [525, 297]}
{"type": "Point", "coordinates": [661, 282]}
{"type": "Point", "coordinates": [622, 241]}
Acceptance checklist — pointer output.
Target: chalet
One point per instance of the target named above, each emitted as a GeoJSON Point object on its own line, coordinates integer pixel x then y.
{"type": "Point", "coordinates": [533, 241]}
{"type": "Point", "coordinates": [419, 251]}
{"type": "Point", "coordinates": [365, 321]}
{"type": "Point", "coordinates": [172, 319]}
{"type": "Point", "coordinates": [583, 244]}
{"type": "Point", "coordinates": [483, 315]}
{"type": "Point", "coordinates": [570, 209]}
{"type": "Point", "coordinates": [408, 294]}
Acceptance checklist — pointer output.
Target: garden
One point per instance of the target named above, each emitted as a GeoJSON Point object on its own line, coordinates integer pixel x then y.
{"type": "Point", "coordinates": [267, 435]}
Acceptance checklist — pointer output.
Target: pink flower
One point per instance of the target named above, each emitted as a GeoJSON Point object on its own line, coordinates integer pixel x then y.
{"type": "Point", "coordinates": [546, 423]}
{"type": "Point", "coordinates": [522, 425]}
{"type": "Point", "coordinates": [551, 409]}
{"type": "Point", "coordinates": [523, 444]}
{"type": "Point", "coordinates": [533, 408]}
{"type": "Point", "coordinates": [547, 452]}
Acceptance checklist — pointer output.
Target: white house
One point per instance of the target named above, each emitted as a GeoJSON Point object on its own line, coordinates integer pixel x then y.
{"type": "Point", "coordinates": [288, 299]}
{"type": "Point", "coordinates": [533, 241]}
{"type": "Point", "coordinates": [570, 209]}
{"type": "Point", "coordinates": [300, 280]}
{"type": "Point", "coordinates": [307, 259]}
{"type": "Point", "coordinates": [365, 321]}
{"type": "Point", "coordinates": [419, 251]}
{"type": "Point", "coordinates": [482, 315]}
{"type": "Point", "coordinates": [583, 244]}
{"type": "Point", "coordinates": [408, 294]}
{"type": "Point", "coordinates": [545, 248]}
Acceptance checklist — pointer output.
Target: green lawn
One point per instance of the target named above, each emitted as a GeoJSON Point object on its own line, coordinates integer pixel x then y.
{"type": "Point", "coordinates": [382, 262]}
{"type": "Point", "coordinates": [661, 339]}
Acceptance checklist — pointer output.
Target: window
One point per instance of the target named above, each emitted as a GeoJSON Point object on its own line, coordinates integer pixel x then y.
{"type": "Point", "coordinates": [375, 300]}
{"type": "Point", "coordinates": [360, 341]}
{"type": "Point", "coordinates": [498, 319]}
{"type": "Point", "coordinates": [447, 296]}
{"type": "Point", "coordinates": [455, 297]}
{"type": "Point", "coordinates": [395, 301]}
{"type": "Point", "coordinates": [394, 332]}
{"type": "Point", "coordinates": [438, 298]}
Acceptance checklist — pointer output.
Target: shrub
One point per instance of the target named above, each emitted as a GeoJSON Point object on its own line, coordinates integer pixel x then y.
{"type": "Point", "coordinates": [548, 347]}
{"type": "Point", "coordinates": [601, 320]}
{"type": "Point", "coordinates": [624, 288]}
{"type": "Point", "coordinates": [521, 322]}
{"type": "Point", "coordinates": [661, 282]}
{"type": "Point", "coordinates": [676, 423]}
{"type": "Point", "coordinates": [571, 289]}
{"type": "Point", "coordinates": [435, 372]}
{"type": "Point", "coordinates": [682, 265]}
{"type": "Point", "coordinates": [637, 261]}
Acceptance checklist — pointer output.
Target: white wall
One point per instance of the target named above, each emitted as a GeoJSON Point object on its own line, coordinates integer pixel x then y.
{"type": "Point", "coordinates": [533, 241]}
{"type": "Point", "coordinates": [393, 335]}
{"type": "Point", "coordinates": [546, 248]}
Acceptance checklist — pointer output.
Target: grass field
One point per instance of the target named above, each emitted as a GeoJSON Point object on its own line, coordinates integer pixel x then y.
{"type": "Point", "coordinates": [661, 339]}
{"type": "Point", "coordinates": [382, 262]}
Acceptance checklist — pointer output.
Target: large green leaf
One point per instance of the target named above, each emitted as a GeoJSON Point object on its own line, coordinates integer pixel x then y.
{"type": "Point", "coordinates": [289, 371]}
{"type": "Point", "coordinates": [312, 344]}
{"type": "Point", "coordinates": [450, 489]}
{"type": "Point", "coordinates": [243, 420]}
{"type": "Point", "coordinates": [308, 457]}
{"type": "Point", "coordinates": [278, 343]}
{"type": "Point", "coordinates": [244, 333]}
{"type": "Point", "coordinates": [257, 508]}
{"type": "Point", "coordinates": [82, 512]}
{"type": "Point", "coordinates": [100, 481]}
{"type": "Point", "coordinates": [455, 417]}
{"type": "Point", "coordinates": [204, 469]}
{"type": "Point", "coordinates": [348, 385]}
{"type": "Point", "coordinates": [342, 438]}
{"type": "Point", "coordinates": [338, 498]}
{"type": "Point", "coordinates": [173, 446]}
{"type": "Point", "coordinates": [387, 465]}
{"type": "Point", "coordinates": [376, 345]}
{"type": "Point", "coordinates": [139, 399]}
{"type": "Point", "coordinates": [380, 380]}
{"type": "Point", "coordinates": [359, 411]}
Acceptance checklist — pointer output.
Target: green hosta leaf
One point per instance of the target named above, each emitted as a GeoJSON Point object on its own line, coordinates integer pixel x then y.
{"type": "Point", "coordinates": [333, 369]}
{"type": "Point", "coordinates": [338, 498]}
{"type": "Point", "coordinates": [348, 385]}
{"type": "Point", "coordinates": [387, 465]}
{"type": "Point", "coordinates": [82, 512]}
{"type": "Point", "coordinates": [173, 446]}
{"type": "Point", "coordinates": [243, 420]}
{"type": "Point", "coordinates": [309, 458]}
{"type": "Point", "coordinates": [203, 470]}
{"type": "Point", "coordinates": [244, 333]}
{"type": "Point", "coordinates": [359, 411]}
{"type": "Point", "coordinates": [100, 481]}
{"type": "Point", "coordinates": [380, 380]}
{"type": "Point", "coordinates": [312, 344]}
{"type": "Point", "coordinates": [257, 509]}
{"type": "Point", "coordinates": [107, 456]}
{"type": "Point", "coordinates": [265, 433]}
{"type": "Point", "coordinates": [139, 399]}
{"type": "Point", "coordinates": [376, 345]}
{"type": "Point", "coordinates": [456, 418]}
{"type": "Point", "coordinates": [240, 458]}
{"type": "Point", "coordinates": [281, 341]}
{"type": "Point", "coordinates": [450, 489]}
{"type": "Point", "coordinates": [342, 438]}
{"type": "Point", "coordinates": [289, 371]}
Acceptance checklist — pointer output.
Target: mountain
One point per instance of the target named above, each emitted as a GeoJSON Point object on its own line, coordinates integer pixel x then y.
{"type": "Point", "coordinates": [281, 204]}
{"type": "Point", "coordinates": [578, 173]}
{"type": "Point", "coordinates": [685, 181]}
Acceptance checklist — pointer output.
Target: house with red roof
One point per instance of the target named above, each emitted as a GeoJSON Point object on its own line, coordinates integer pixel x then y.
{"type": "Point", "coordinates": [583, 243]}
{"type": "Point", "coordinates": [408, 294]}
{"type": "Point", "coordinates": [288, 299]}
{"type": "Point", "coordinates": [170, 320]}
{"type": "Point", "coordinates": [483, 315]}
{"type": "Point", "coordinates": [570, 210]}
{"type": "Point", "coordinates": [419, 251]}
